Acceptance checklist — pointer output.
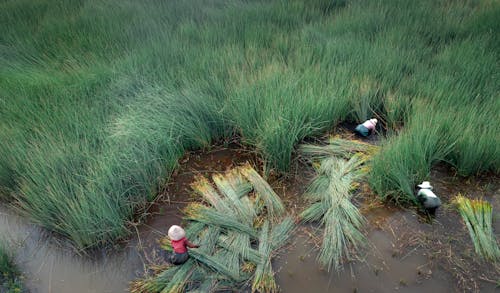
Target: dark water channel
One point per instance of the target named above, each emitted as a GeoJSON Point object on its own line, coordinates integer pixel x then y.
{"type": "Point", "coordinates": [395, 257]}
{"type": "Point", "coordinates": [52, 267]}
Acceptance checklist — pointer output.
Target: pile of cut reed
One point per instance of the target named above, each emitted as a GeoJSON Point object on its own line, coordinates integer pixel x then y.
{"type": "Point", "coordinates": [240, 228]}
{"type": "Point", "coordinates": [477, 215]}
{"type": "Point", "coordinates": [341, 167]}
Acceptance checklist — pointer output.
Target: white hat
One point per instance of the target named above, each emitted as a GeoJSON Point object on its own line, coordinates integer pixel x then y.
{"type": "Point", "coordinates": [176, 233]}
{"type": "Point", "coordinates": [425, 185]}
{"type": "Point", "coordinates": [374, 121]}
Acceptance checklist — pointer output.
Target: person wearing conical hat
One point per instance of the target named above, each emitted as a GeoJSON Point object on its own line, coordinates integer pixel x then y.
{"type": "Point", "coordinates": [427, 198]}
{"type": "Point", "coordinates": [367, 128]}
{"type": "Point", "coordinates": [179, 244]}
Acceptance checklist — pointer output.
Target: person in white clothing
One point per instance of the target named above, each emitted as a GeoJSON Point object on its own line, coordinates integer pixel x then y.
{"type": "Point", "coordinates": [427, 198]}
{"type": "Point", "coordinates": [367, 128]}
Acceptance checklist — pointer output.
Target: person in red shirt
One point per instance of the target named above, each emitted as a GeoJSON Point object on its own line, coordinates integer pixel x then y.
{"type": "Point", "coordinates": [180, 244]}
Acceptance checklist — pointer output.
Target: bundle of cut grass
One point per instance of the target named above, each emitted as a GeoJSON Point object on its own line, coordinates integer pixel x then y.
{"type": "Point", "coordinates": [274, 206]}
{"type": "Point", "coordinates": [233, 244]}
{"type": "Point", "coordinates": [245, 250]}
{"type": "Point", "coordinates": [218, 265]}
{"type": "Point", "coordinates": [338, 147]}
{"type": "Point", "coordinates": [342, 165]}
{"type": "Point", "coordinates": [203, 214]}
{"type": "Point", "coordinates": [263, 280]}
{"type": "Point", "coordinates": [330, 195]}
{"type": "Point", "coordinates": [477, 215]}
{"type": "Point", "coordinates": [234, 189]}
{"type": "Point", "coordinates": [206, 190]}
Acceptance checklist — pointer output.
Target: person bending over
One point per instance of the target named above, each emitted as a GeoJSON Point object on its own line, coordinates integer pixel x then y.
{"type": "Point", "coordinates": [179, 244]}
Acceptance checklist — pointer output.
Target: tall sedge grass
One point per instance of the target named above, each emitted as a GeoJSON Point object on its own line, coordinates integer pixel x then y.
{"type": "Point", "coordinates": [408, 158]}
{"type": "Point", "coordinates": [98, 99]}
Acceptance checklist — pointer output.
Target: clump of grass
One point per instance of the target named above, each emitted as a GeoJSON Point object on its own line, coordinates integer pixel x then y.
{"type": "Point", "coordinates": [10, 276]}
{"type": "Point", "coordinates": [407, 159]}
{"type": "Point", "coordinates": [477, 215]}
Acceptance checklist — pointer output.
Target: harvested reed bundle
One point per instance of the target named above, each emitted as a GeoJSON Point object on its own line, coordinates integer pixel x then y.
{"type": "Point", "coordinates": [338, 147]}
{"type": "Point", "coordinates": [314, 212]}
{"type": "Point", "coordinates": [180, 278]}
{"type": "Point", "coordinates": [243, 209]}
{"type": "Point", "coordinates": [226, 229]}
{"type": "Point", "coordinates": [271, 200]}
{"type": "Point", "coordinates": [194, 229]}
{"type": "Point", "coordinates": [230, 260]}
{"type": "Point", "coordinates": [264, 278]}
{"type": "Point", "coordinates": [246, 252]}
{"type": "Point", "coordinates": [163, 279]}
{"type": "Point", "coordinates": [241, 186]}
{"type": "Point", "coordinates": [341, 231]}
{"type": "Point", "coordinates": [201, 213]}
{"type": "Point", "coordinates": [215, 264]}
{"type": "Point", "coordinates": [477, 215]}
{"type": "Point", "coordinates": [210, 239]}
{"type": "Point", "coordinates": [207, 285]}
{"type": "Point", "coordinates": [330, 195]}
{"type": "Point", "coordinates": [156, 284]}
{"type": "Point", "coordinates": [238, 243]}
{"type": "Point", "coordinates": [206, 190]}
{"type": "Point", "coordinates": [281, 232]}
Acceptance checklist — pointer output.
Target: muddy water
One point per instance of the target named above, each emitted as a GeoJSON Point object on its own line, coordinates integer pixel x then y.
{"type": "Point", "coordinates": [52, 267]}
{"type": "Point", "coordinates": [382, 269]}
{"type": "Point", "coordinates": [405, 251]}
{"type": "Point", "coordinates": [396, 258]}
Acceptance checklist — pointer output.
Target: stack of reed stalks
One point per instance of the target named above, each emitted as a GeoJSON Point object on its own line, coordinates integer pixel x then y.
{"type": "Point", "coordinates": [240, 228]}
{"type": "Point", "coordinates": [477, 215]}
{"type": "Point", "coordinates": [341, 167]}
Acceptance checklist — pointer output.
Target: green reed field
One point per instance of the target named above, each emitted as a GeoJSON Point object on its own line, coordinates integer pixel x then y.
{"type": "Point", "coordinates": [100, 98]}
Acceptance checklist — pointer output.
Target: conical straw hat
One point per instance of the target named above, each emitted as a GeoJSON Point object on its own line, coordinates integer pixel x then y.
{"type": "Point", "coordinates": [425, 185]}
{"type": "Point", "coordinates": [176, 233]}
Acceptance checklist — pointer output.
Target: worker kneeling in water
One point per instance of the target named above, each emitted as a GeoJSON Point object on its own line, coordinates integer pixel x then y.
{"type": "Point", "coordinates": [180, 244]}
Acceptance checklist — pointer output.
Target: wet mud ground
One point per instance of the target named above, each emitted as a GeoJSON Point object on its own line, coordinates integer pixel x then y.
{"type": "Point", "coordinates": [406, 250]}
